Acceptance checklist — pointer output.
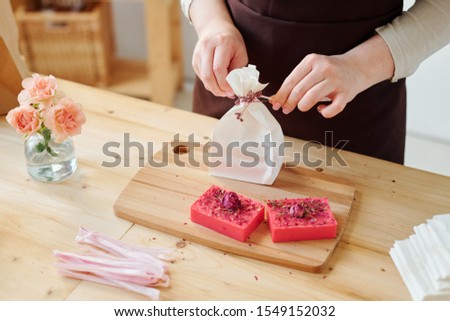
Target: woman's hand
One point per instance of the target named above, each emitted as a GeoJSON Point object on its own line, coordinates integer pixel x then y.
{"type": "Point", "coordinates": [220, 47]}
{"type": "Point", "coordinates": [337, 78]}
{"type": "Point", "coordinates": [218, 51]}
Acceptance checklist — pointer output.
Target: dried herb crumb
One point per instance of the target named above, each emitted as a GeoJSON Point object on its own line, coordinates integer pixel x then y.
{"type": "Point", "coordinates": [181, 244]}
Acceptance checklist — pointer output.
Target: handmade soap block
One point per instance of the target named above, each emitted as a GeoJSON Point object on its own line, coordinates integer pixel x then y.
{"type": "Point", "coordinates": [228, 213]}
{"type": "Point", "coordinates": [301, 219]}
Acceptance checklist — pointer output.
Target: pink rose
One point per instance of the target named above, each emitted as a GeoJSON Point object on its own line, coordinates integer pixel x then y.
{"type": "Point", "coordinates": [25, 119]}
{"type": "Point", "coordinates": [38, 89]}
{"type": "Point", "coordinates": [65, 119]}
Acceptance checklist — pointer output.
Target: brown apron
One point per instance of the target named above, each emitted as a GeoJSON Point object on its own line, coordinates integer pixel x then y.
{"type": "Point", "coordinates": [279, 33]}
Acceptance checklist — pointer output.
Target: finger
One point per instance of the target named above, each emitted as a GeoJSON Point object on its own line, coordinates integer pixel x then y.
{"type": "Point", "coordinates": [207, 74]}
{"type": "Point", "coordinates": [314, 95]}
{"type": "Point", "coordinates": [299, 72]}
{"type": "Point", "coordinates": [239, 60]}
{"type": "Point", "coordinates": [275, 104]}
{"type": "Point", "coordinates": [336, 107]}
{"type": "Point", "coordinates": [195, 63]}
{"type": "Point", "coordinates": [303, 88]}
{"type": "Point", "coordinates": [220, 69]}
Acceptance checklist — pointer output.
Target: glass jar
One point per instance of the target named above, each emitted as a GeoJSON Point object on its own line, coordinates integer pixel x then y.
{"type": "Point", "coordinates": [51, 162]}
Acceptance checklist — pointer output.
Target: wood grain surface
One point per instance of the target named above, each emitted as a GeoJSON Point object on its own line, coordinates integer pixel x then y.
{"type": "Point", "coordinates": [37, 218]}
{"type": "Point", "coordinates": [160, 198]}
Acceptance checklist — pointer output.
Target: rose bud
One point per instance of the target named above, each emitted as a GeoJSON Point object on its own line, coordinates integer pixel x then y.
{"type": "Point", "coordinates": [231, 201]}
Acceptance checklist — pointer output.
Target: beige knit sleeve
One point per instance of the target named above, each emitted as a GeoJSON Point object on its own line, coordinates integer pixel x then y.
{"type": "Point", "coordinates": [417, 34]}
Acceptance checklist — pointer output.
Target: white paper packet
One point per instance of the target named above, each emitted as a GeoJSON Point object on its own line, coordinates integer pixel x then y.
{"type": "Point", "coordinates": [247, 142]}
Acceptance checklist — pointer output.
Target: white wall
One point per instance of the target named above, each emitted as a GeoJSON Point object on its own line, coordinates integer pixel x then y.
{"type": "Point", "coordinates": [190, 39]}
{"type": "Point", "coordinates": [129, 25]}
{"type": "Point", "coordinates": [428, 96]}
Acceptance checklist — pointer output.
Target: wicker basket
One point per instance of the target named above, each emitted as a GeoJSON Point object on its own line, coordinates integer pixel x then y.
{"type": "Point", "coordinates": [77, 46]}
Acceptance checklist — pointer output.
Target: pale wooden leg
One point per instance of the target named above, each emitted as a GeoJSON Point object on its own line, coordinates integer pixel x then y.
{"type": "Point", "coordinates": [164, 49]}
{"type": "Point", "coordinates": [177, 43]}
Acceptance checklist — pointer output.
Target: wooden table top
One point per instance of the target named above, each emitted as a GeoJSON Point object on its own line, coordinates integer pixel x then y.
{"type": "Point", "coordinates": [37, 218]}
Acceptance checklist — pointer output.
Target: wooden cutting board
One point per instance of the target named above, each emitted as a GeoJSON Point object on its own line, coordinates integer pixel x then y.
{"type": "Point", "coordinates": [160, 198]}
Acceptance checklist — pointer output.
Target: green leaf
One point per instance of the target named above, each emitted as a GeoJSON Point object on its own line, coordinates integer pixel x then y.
{"type": "Point", "coordinates": [51, 152]}
{"type": "Point", "coordinates": [47, 133]}
{"type": "Point", "coordinates": [40, 147]}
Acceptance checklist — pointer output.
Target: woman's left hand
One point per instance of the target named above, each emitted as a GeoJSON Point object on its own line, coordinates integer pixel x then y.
{"type": "Point", "coordinates": [337, 78]}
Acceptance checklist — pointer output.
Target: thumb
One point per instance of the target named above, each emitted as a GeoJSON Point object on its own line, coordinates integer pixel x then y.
{"type": "Point", "coordinates": [238, 61]}
{"type": "Point", "coordinates": [235, 63]}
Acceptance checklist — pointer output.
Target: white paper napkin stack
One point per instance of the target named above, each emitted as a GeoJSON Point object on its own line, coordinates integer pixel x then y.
{"type": "Point", "coordinates": [423, 259]}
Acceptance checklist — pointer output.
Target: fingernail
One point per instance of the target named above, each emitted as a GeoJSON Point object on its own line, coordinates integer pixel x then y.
{"type": "Point", "coordinates": [230, 94]}
{"type": "Point", "coordinates": [320, 108]}
{"type": "Point", "coordinates": [276, 105]}
{"type": "Point", "coordinates": [286, 111]}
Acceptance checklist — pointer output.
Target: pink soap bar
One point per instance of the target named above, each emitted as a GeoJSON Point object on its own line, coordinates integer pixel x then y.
{"type": "Point", "coordinates": [228, 213]}
{"type": "Point", "coordinates": [301, 219]}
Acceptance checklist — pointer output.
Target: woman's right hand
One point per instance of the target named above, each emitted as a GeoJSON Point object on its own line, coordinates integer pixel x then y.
{"type": "Point", "coordinates": [218, 51]}
{"type": "Point", "coordinates": [220, 47]}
